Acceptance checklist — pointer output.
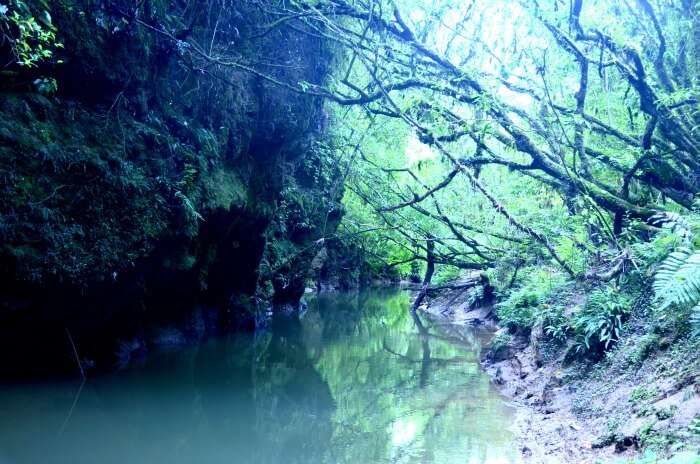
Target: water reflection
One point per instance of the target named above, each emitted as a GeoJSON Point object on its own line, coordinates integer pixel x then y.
{"type": "Point", "coordinates": [353, 380]}
{"type": "Point", "coordinates": [406, 390]}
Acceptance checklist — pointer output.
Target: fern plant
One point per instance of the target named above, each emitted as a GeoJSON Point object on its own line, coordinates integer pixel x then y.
{"type": "Point", "coordinates": [599, 323]}
{"type": "Point", "coordinates": [674, 221]}
{"type": "Point", "coordinates": [695, 319]}
{"type": "Point", "coordinates": [677, 281]}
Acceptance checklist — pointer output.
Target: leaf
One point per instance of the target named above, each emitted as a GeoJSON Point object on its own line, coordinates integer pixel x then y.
{"type": "Point", "coordinates": [187, 203]}
{"type": "Point", "coordinates": [695, 320]}
{"type": "Point", "coordinates": [677, 280]}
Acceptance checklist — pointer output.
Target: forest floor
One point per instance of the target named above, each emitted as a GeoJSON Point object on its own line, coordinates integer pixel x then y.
{"type": "Point", "coordinates": [643, 396]}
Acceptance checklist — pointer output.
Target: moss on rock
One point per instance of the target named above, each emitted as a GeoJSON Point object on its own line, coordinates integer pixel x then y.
{"type": "Point", "coordinates": [149, 181]}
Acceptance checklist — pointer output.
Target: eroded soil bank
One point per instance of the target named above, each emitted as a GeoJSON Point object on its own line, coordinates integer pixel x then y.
{"type": "Point", "coordinates": [641, 397]}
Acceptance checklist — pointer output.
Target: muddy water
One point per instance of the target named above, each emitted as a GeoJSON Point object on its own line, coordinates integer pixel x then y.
{"type": "Point", "coordinates": [352, 380]}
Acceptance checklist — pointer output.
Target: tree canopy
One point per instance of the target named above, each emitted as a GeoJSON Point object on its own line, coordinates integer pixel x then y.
{"type": "Point", "coordinates": [498, 129]}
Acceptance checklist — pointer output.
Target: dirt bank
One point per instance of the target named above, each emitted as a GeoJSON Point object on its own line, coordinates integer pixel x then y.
{"type": "Point", "coordinates": [641, 396]}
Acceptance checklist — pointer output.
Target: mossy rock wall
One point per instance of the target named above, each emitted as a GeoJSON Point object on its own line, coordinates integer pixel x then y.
{"type": "Point", "coordinates": [145, 189]}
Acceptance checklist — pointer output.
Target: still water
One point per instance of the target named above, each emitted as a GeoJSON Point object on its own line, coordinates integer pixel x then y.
{"type": "Point", "coordinates": [355, 379]}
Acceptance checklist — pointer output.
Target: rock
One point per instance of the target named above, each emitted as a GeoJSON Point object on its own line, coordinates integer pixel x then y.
{"type": "Point", "coordinates": [498, 377]}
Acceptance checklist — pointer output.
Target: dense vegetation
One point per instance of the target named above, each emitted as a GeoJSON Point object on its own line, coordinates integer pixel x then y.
{"type": "Point", "coordinates": [550, 148]}
{"type": "Point", "coordinates": [539, 143]}
{"type": "Point", "coordinates": [146, 183]}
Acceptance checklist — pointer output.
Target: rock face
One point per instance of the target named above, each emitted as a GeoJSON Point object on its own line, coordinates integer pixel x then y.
{"type": "Point", "coordinates": [151, 195]}
{"type": "Point", "coordinates": [345, 266]}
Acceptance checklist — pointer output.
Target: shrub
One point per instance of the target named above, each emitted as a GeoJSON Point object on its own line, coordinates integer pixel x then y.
{"type": "Point", "coordinates": [642, 394]}
{"type": "Point", "coordinates": [598, 324]}
{"type": "Point", "coordinates": [524, 306]}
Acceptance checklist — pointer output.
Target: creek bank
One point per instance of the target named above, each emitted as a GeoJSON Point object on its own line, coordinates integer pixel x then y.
{"type": "Point", "coordinates": [642, 395]}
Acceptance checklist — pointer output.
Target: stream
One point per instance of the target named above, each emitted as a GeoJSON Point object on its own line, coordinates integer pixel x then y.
{"type": "Point", "coordinates": [351, 380]}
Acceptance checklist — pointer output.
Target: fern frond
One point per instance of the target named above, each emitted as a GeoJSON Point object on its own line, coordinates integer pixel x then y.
{"type": "Point", "coordinates": [677, 280]}
{"type": "Point", "coordinates": [674, 221]}
{"type": "Point", "coordinates": [189, 206]}
{"type": "Point", "coordinates": [695, 320]}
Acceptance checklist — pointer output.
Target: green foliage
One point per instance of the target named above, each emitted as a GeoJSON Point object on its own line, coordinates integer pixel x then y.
{"type": "Point", "coordinates": [598, 324]}
{"type": "Point", "coordinates": [682, 226]}
{"type": "Point", "coordinates": [642, 394]}
{"type": "Point", "coordinates": [658, 248]}
{"type": "Point", "coordinates": [677, 281]}
{"type": "Point", "coordinates": [556, 325]}
{"type": "Point", "coordinates": [445, 274]}
{"type": "Point", "coordinates": [30, 34]}
{"type": "Point", "coordinates": [521, 307]}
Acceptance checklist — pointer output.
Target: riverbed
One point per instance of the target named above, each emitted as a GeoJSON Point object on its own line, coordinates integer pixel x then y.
{"type": "Point", "coordinates": [352, 379]}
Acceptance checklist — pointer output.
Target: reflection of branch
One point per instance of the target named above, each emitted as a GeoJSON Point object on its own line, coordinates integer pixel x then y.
{"type": "Point", "coordinates": [77, 357]}
{"type": "Point", "coordinates": [72, 408]}
{"type": "Point", "coordinates": [404, 357]}
{"type": "Point", "coordinates": [439, 361]}
{"type": "Point", "coordinates": [438, 409]}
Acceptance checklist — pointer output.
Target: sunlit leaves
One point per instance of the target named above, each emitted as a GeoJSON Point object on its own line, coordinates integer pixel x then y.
{"type": "Point", "coordinates": [32, 39]}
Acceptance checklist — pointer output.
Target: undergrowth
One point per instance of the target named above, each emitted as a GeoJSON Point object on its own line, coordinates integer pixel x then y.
{"type": "Point", "coordinates": [669, 262]}
{"type": "Point", "coordinates": [525, 305]}
{"type": "Point", "coordinates": [544, 298]}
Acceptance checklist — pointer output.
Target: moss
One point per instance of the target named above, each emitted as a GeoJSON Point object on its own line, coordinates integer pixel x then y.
{"type": "Point", "coordinates": [646, 345]}
{"type": "Point", "coordinates": [642, 394]}
{"type": "Point", "coordinates": [666, 413]}
{"type": "Point", "coordinates": [500, 341]}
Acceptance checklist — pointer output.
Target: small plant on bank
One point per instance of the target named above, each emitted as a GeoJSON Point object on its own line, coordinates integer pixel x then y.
{"type": "Point", "coordinates": [599, 323]}
{"type": "Point", "coordinates": [527, 304]}
{"type": "Point", "coordinates": [666, 413]}
{"type": "Point", "coordinates": [642, 394]}
{"type": "Point", "coordinates": [500, 341]}
{"type": "Point", "coordinates": [556, 325]}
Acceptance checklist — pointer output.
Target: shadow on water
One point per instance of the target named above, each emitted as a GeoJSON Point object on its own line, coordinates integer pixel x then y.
{"type": "Point", "coordinates": [352, 380]}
